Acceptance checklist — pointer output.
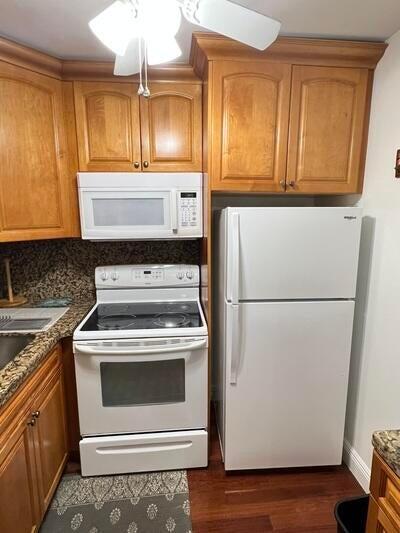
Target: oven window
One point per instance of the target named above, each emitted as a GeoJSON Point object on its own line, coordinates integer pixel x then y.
{"type": "Point", "coordinates": [142, 383]}
{"type": "Point", "coordinates": [128, 211]}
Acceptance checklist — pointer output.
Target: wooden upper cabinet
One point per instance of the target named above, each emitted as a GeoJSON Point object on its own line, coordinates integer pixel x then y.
{"type": "Point", "coordinates": [327, 134]}
{"type": "Point", "coordinates": [35, 185]}
{"type": "Point", "coordinates": [108, 126]}
{"type": "Point", "coordinates": [117, 132]}
{"type": "Point", "coordinates": [171, 128]}
{"type": "Point", "coordinates": [250, 114]}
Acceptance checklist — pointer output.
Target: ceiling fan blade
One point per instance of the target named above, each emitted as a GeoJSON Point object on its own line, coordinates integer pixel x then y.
{"type": "Point", "coordinates": [234, 21]}
{"type": "Point", "coordinates": [115, 26]}
{"type": "Point", "coordinates": [128, 64]}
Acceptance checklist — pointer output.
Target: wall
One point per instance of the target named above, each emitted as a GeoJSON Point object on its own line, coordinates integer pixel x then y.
{"type": "Point", "coordinates": [374, 389]}
{"type": "Point", "coordinates": [65, 267]}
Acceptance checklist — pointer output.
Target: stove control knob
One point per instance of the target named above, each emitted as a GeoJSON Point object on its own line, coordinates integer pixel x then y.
{"type": "Point", "coordinates": [189, 274]}
{"type": "Point", "coordinates": [114, 276]}
{"type": "Point", "coordinates": [180, 275]}
{"type": "Point", "coordinates": [104, 275]}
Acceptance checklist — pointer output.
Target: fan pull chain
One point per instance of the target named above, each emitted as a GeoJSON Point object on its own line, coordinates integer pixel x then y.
{"type": "Point", "coordinates": [141, 88]}
{"type": "Point", "coordinates": [146, 92]}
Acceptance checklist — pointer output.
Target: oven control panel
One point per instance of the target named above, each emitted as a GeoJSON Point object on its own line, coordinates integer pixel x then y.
{"type": "Point", "coordinates": [138, 276]}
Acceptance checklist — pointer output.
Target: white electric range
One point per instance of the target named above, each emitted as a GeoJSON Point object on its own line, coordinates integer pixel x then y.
{"type": "Point", "coordinates": [142, 371]}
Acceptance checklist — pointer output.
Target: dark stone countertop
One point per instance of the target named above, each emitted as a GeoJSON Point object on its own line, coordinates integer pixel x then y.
{"type": "Point", "coordinates": [16, 372]}
{"type": "Point", "coordinates": [387, 445]}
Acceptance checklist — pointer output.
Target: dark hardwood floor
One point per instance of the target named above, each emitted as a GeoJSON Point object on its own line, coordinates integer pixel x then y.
{"type": "Point", "coordinates": [287, 501]}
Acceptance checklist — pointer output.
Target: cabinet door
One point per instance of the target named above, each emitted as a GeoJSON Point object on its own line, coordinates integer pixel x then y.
{"type": "Point", "coordinates": [50, 437]}
{"type": "Point", "coordinates": [250, 115]}
{"type": "Point", "coordinates": [18, 494]}
{"type": "Point", "coordinates": [35, 188]}
{"type": "Point", "coordinates": [108, 129]}
{"type": "Point", "coordinates": [377, 521]}
{"type": "Point", "coordinates": [327, 124]}
{"type": "Point", "coordinates": [171, 128]}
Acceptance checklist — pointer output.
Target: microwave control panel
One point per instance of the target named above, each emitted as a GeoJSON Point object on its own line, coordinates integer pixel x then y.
{"type": "Point", "coordinates": [189, 209]}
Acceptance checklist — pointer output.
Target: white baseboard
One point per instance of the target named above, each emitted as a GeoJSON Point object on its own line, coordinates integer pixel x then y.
{"type": "Point", "coordinates": [356, 465]}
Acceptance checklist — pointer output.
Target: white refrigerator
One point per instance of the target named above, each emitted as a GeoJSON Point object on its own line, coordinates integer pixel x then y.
{"type": "Point", "coordinates": [284, 306]}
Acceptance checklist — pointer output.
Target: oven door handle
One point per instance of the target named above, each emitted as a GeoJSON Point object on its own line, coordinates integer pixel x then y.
{"type": "Point", "coordinates": [97, 350]}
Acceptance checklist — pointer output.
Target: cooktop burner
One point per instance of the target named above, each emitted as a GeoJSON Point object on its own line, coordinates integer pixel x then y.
{"type": "Point", "coordinates": [116, 321]}
{"type": "Point", "coordinates": [172, 320]}
{"type": "Point", "coordinates": [144, 315]}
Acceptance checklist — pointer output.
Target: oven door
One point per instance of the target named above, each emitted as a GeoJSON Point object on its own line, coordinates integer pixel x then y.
{"type": "Point", "coordinates": [109, 214]}
{"type": "Point", "coordinates": [139, 386]}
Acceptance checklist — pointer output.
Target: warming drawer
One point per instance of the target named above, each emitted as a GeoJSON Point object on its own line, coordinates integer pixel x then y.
{"type": "Point", "coordinates": [143, 453]}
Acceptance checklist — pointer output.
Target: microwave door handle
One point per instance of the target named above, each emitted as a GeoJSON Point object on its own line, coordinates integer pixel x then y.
{"type": "Point", "coordinates": [97, 350]}
{"type": "Point", "coordinates": [174, 211]}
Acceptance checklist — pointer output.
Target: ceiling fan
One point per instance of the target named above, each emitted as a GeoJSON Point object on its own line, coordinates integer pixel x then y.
{"type": "Point", "coordinates": [143, 31]}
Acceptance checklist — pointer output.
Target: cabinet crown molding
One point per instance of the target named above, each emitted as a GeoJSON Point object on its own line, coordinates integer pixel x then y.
{"type": "Point", "coordinates": [294, 50]}
{"type": "Point", "coordinates": [76, 70]}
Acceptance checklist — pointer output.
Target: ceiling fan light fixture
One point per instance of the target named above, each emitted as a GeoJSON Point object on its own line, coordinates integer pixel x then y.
{"type": "Point", "coordinates": [115, 26]}
{"type": "Point", "coordinates": [159, 17]}
{"type": "Point", "coordinates": [162, 50]}
{"type": "Point", "coordinates": [131, 62]}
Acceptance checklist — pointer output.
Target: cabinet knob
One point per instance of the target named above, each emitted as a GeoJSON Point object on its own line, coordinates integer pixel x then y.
{"type": "Point", "coordinates": [292, 184]}
{"type": "Point", "coordinates": [35, 414]}
{"type": "Point", "coordinates": [136, 164]}
{"type": "Point", "coordinates": [282, 184]}
{"type": "Point", "coordinates": [32, 422]}
{"type": "Point", "coordinates": [146, 164]}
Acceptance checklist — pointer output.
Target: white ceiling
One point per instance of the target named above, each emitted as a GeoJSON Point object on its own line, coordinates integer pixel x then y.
{"type": "Point", "coordinates": [60, 28]}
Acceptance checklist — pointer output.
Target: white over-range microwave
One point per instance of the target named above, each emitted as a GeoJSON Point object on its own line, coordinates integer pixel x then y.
{"type": "Point", "coordinates": [136, 206]}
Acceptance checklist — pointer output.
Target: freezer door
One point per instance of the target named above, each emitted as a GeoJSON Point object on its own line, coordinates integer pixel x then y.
{"type": "Point", "coordinates": [285, 399]}
{"type": "Point", "coordinates": [292, 253]}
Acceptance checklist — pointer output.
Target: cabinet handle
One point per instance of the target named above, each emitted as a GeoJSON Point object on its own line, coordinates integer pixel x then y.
{"type": "Point", "coordinates": [292, 183]}
{"type": "Point", "coordinates": [35, 414]}
{"type": "Point", "coordinates": [32, 422]}
{"type": "Point", "coordinates": [136, 164]}
{"type": "Point", "coordinates": [146, 164]}
{"type": "Point", "coordinates": [282, 184]}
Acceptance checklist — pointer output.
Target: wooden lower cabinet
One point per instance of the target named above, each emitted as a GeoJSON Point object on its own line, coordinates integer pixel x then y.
{"type": "Point", "coordinates": [378, 522]}
{"type": "Point", "coordinates": [18, 496]}
{"type": "Point", "coordinates": [384, 504]}
{"type": "Point", "coordinates": [33, 448]}
{"type": "Point", "coordinates": [50, 437]}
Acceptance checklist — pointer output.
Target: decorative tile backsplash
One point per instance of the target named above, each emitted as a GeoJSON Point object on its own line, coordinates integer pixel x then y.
{"type": "Point", "coordinates": [65, 267]}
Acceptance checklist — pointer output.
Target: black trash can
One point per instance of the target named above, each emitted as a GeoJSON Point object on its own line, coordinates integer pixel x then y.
{"type": "Point", "coordinates": [351, 515]}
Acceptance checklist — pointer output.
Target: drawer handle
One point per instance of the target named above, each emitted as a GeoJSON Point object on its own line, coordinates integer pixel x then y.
{"type": "Point", "coordinates": [143, 448]}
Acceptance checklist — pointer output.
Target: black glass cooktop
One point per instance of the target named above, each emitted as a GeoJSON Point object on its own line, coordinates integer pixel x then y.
{"type": "Point", "coordinates": [145, 315]}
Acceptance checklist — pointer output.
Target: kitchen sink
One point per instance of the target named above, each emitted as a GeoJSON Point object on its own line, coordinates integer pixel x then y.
{"type": "Point", "coordinates": [11, 346]}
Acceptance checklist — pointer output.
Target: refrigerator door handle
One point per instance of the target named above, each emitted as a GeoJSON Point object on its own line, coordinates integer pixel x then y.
{"type": "Point", "coordinates": [234, 259]}
{"type": "Point", "coordinates": [235, 346]}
